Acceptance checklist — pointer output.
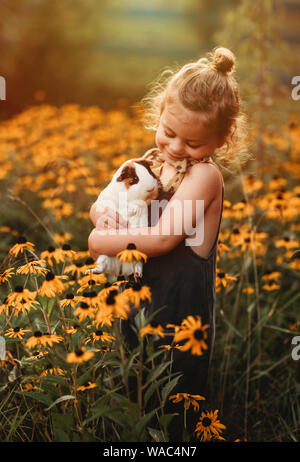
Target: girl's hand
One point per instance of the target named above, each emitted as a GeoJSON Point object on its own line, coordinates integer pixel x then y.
{"type": "Point", "coordinates": [109, 219]}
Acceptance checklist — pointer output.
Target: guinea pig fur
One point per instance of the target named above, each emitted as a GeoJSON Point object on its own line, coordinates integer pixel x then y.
{"type": "Point", "coordinates": [129, 193]}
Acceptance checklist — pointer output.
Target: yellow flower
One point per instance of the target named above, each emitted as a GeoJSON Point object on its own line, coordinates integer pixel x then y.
{"type": "Point", "coordinates": [83, 311]}
{"type": "Point", "coordinates": [87, 386]}
{"type": "Point", "coordinates": [16, 332]}
{"type": "Point", "coordinates": [131, 253]}
{"type": "Point", "coordinates": [52, 285]}
{"type": "Point", "coordinates": [19, 295]}
{"type": "Point", "coordinates": [6, 275]}
{"type": "Point", "coordinates": [137, 292]}
{"type": "Point", "coordinates": [194, 333]}
{"type": "Point", "coordinates": [151, 329]}
{"type": "Point", "coordinates": [188, 400]}
{"type": "Point", "coordinates": [21, 245]}
{"type": "Point", "coordinates": [79, 356]}
{"type": "Point", "coordinates": [100, 335]}
{"type": "Point", "coordinates": [33, 267]}
{"type": "Point", "coordinates": [209, 427]}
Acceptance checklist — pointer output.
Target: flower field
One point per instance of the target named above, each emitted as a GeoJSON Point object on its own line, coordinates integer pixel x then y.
{"type": "Point", "coordinates": [64, 367]}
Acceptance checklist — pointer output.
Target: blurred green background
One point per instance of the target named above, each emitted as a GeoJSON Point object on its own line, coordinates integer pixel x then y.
{"type": "Point", "coordinates": [102, 52]}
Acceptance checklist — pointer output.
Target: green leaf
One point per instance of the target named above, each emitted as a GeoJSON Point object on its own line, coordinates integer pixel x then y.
{"type": "Point", "coordinates": [165, 419]}
{"type": "Point", "coordinates": [169, 387]}
{"type": "Point", "coordinates": [140, 426]}
{"type": "Point", "coordinates": [60, 400]}
{"type": "Point", "coordinates": [41, 397]}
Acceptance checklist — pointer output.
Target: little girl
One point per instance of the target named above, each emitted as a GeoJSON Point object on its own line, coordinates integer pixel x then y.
{"type": "Point", "coordinates": [197, 117]}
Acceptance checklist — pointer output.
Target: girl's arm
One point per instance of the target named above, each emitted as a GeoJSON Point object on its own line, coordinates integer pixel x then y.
{"type": "Point", "coordinates": [201, 183]}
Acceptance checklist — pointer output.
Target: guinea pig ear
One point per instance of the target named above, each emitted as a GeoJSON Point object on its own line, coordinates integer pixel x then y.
{"type": "Point", "coordinates": [124, 174]}
{"type": "Point", "coordinates": [129, 176]}
{"type": "Point", "coordinates": [147, 164]}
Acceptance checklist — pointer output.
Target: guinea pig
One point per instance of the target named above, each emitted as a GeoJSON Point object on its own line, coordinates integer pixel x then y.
{"type": "Point", "coordinates": [129, 193]}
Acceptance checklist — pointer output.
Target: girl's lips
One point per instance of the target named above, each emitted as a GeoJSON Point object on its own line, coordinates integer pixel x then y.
{"type": "Point", "coordinates": [173, 157]}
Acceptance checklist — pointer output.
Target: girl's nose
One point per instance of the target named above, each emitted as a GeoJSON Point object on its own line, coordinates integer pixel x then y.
{"type": "Point", "coordinates": [176, 147]}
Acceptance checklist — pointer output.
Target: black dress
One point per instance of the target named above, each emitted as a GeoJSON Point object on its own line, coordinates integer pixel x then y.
{"type": "Point", "coordinates": [185, 284]}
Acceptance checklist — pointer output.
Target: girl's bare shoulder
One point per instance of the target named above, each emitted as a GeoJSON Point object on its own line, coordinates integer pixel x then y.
{"type": "Point", "coordinates": [207, 172]}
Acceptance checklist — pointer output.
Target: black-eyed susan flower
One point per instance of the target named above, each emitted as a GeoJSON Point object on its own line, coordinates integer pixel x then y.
{"type": "Point", "coordinates": [52, 254]}
{"type": "Point", "coordinates": [100, 336]}
{"type": "Point", "coordinates": [117, 303]}
{"type": "Point", "coordinates": [90, 281]}
{"type": "Point", "coordinates": [131, 253]}
{"type": "Point", "coordinates": [16, 332]}
{"type": "Point", "coordinates": [33, 267]}
{"type": "Point", "coordinates": [71, 329]}
{"type": "Point", "coordinates": [76, 269]}
{"type": "Point", "coordinates": [24, 306]}
{"type": "Point", "coordinates": [90, 297]}
{"type": "Point", "coordinates": [69, 300]}
{"type": "Point", "coordinates": [209, 426]}
{"type": "Point", "coordinates": [37, 339]}
{"type": "Point", "coordinates": [21, 245]}
{"type": "Point", "coordinates": [87, 386]}
{"type": "Point", "coordinates": [6, 274]}
{"type": "Point", "coordinates": [4, 307]}
{"type": "Point", "coordinates": [287, 243]}
{"type": "Point", "coordinates": [52, 285]}
{"type": "Point", "coordinates": [188, 400]}
{"type": "Point", "coordinates": [20, 294]}
{"type": "Point", "coordinates": [104, 316]}
{"type": "Point", "coordinates": [271, 285]}
{"type": "Point", "coordinates": [50, 339]}
{"type": "Point", "coordinates": [152, 329]}
{"type": "Point", "coordinates": [29, 387]}
{"type": "Point", "coordinates": [62, 238]}
{"type": "Point", "coordinates": [222, 279]}
{"type": "Point", "coordinates": [252, 184]}
{"type": "Point", "coordinates": [83, 311]}
{"type": "Point", "coordinates": [36, 355]}
{"type": "Point", "coordinates": [248, 290]}
{"type": "Point", "coordinates": [67, 252]}
{"type": "Point", "coordinates": [49, 370]}
{"type": "Point", "coordinates": [80, 355]}
{"type": "Point", "coordinates": [194, 332]}
{"type": "Point", "coordinates": [137, 292]}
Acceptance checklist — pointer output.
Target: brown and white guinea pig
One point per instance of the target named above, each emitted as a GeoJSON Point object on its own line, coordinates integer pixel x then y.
{"type": "Point", "coordinates": [129, 193]}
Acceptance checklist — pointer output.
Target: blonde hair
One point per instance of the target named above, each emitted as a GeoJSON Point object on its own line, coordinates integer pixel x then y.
{"type": "Point", "coordinates": [207, 86]}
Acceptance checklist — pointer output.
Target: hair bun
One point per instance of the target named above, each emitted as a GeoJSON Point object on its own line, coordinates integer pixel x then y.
{"type": "Point", "coordinates": [223, 60]}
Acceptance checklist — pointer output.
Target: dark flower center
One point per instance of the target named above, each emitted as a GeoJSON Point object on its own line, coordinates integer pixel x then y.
{"type": "Point", "coordinates": [70, 296]}
{"type": "Point", "coordinates": [66, 247]}
{"type": "Point", "coordinates": [98, 333]}
{"type": "Point", "coordinates": [89, 261]}
{"type": "Point", "coordinates": [84, 306]}
{"type": "Point", "coordinates": [110, 300]}
{"type": "Point", "coordinates": [17, 329]}
{"type": "Point", "coordinates": [91, 282]}
{"type": "Point", "coordinates": [19, 289]}
{"type": "Point", "coordinates": [206, 422]}
{"type": "Point", "coordinates": [49, 276]}
{"type": "Point", "coordinates": [78, 353]}
{"type": "Point", "coordinates": [51, 249]}
{"type": "Point", "coordinates": [38, 334]}
{"type": "Point", "coordinates": [21, 240]}
{"type": "Point", "coordinates": [78, 264]}
{"type": "Point", "coordinates": [136, 286]}
{"type": "Point", "coordinates": [131, 246]}
{"type": "Point", "coordinates": [236, 231]}
{"type": "Point", "coordinates": [198, 334]}
{"type": "Point", "coordinates": [221, 274]}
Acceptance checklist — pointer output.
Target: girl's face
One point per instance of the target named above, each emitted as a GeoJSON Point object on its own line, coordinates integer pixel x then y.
{"type": "Point", "coordinates": [181, 133]}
